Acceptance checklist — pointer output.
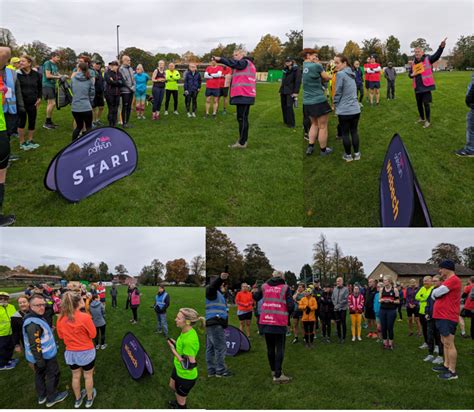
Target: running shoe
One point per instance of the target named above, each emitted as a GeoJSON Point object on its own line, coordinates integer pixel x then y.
{"type": "Point", "coordinates": [103, 346]}
{"type": "Point", "coordinates": [33, 144]}
{"type": "Point", "coordinates": [282, 379]}
{"type": "Point", "coordinates": [176, 112]}
{"type": "Point", "coordinates": [347, 157]}
{"type": "Point", "coordinates": [48, 126]}
{"type": "Point", "coordinates": [438, 360]}
{"type": "Point", "coordinates": [448, 376]}
{"type": "Point", "coordinates": [78, 402]}
{"type": "Point", "coordinates": [309, 150]}
{"type": "Point", "coordinates": [426, 124]}
{"type": "Point", "coordinates": [327, 152]}
{"type": "Point", "coordinates": [89, 402]}
{"type": "Point", "coordinates": [190, 115]}
{"type": "Point", "coordinates": [41, 400]}
{"type": "Point", "coordinates": [440, 369]}
{"type": "Point", "coordinates": [226, 374]}
{"type": "Point", "coordinates": [357, 157]}
{"type": "Point", "coordinates": [25, 146]}
{"type": "Point", "coordinates": [429, 358]}
{"type": "Point", "coordinates": [424, 346]}
{"type": "Point", "coordinates": [464, 153]}
{"type": "Point", "coordinates": [60, 396]}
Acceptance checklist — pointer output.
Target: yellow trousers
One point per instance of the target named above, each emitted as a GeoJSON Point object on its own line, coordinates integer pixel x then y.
{"type": "Point", "coordinates": [356, 321]}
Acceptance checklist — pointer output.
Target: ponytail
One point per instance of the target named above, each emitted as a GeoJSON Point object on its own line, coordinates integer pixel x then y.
{"type": "Point", "coordinates": [69, 304]}
{"type": "Point", "coordinates": [191, 316]}
{"type": "Point", "coordinates": [84, 67]}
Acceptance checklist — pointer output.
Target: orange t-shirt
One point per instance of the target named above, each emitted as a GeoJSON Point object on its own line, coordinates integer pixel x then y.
{"type": "Point", "coordinates": [77, 334]}
{"type": "Point", "coordinates": [244, 301]}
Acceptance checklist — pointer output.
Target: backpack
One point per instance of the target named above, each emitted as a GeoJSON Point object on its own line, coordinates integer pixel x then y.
{"type": "Point", "coordinates": [63, 93]}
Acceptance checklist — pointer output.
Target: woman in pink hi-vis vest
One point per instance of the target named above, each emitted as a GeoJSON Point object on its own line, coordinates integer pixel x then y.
{"type": "Point", "coordinates": [421, 71]}
{"type": "Point", "coordinates": [134, 303]}
{"type": "Point", "coordinates": [242, 91]}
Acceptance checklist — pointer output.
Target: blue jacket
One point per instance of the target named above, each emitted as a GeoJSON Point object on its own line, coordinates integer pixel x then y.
{"type": "Point", "coordinates": [359, 76]}
{"type": "Point", "coordinates": [83, 93]}
{"type": "Point", "coordinates": [345, 98]}
{"type": "Point", "coordinates": [192, 81]}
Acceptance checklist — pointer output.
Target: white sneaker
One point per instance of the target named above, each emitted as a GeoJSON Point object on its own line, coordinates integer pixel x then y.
{"type": "Point", "coordinates": [166, 112]}
{"type": "Point", "coordinates": [97, 347]}
{"type": "Point", "coordinates": [347, 158]}
{"type": "Point", "coordinates": [429, 358]}
{"type": "Point", "coordinates": [424, 346]}
{"type": "Point", "coordinates": [190, 115]}
{"type": "Point", "coordinates": [438, 360]}
{"type": "Point", "coordinates": [427, 124]}
{"type": "Point", "coordinates": [103, 346]}
{"type": "Point", "coordinates": [143, 117]}
{"type": "Point", "coordinates": [357, 156]}
{"type": "Point", "coordinates": [359, 338]}
{"type": "Point", "coordinates": [353, 339]}
{"type": "Point", "coordinates": [175, 112]}
{"type": "Point", "coordinates": [194, 114]}
{"type": "Point", "coordinates": [436, 349]}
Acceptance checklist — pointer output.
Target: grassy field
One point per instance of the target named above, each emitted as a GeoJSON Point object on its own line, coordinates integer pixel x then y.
{"type": "Point", "coordinates": [356, 375]}
{"type": "Point", "coordinates": [186, 175]}
{"type": "Point", "coordinates": [340, 194]}
{"type": "Point", "coordinates": [115, 388]}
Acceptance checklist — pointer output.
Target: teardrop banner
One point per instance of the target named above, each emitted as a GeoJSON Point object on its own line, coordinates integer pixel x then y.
{"type": "Point", "coordinates": [135, 358]}
{"type": "Point", "coordinates": [236, 341]}
{"type": "Point", "coordinates": [401, 201]}
{"type": "Point", "coordinates": [94, 161]}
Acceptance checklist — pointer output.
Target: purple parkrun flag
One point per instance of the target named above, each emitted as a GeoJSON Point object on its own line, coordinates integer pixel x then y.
{"type": "Point", "coordinates": [236, 341]}
{"type": "Point", "coordinates": [134, 357]}
{"type": "Point", "coordinates": [94, 161]}
{"type": "Point", "coordinates": [401, 200]}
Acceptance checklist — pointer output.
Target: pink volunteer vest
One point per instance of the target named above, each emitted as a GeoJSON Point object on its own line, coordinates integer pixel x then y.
{"type": "Point", "coordinates": [274, 311]}
{"type": "Point", "coordinates": [244, 81]}
{"type": "Point", "coordinates": [427, 76]}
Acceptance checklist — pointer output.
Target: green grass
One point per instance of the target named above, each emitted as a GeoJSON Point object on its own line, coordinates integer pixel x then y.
{"type": "Point", "coordinates": [115, 388]}
{"type": "Point", "coordinates": [186, 175]}
{"type": "Point", "coordinates": [12, 289]}
{"type": "Point", "coordinates": [340, 194]}
{"type": "Point", "coordinates": [356, 375]}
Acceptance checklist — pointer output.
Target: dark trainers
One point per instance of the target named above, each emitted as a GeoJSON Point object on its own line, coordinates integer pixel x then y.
{"type": "Point", "coordinates": [48, 126]}
{"type": "Point", "coordinates": [464, 153]}
{"type": "Point", "coordinates": [440, 369]}
{"type": "Point", "coordinates": [226, 374]}
{"type": "Point", "coordinates": [327, 152]}
{"type": "Point", "coordinates": [89, 402]}
{"type": "Point", "coordinates": [295, 340]}
{"type": "Point", "coordinates": [60, 396]}
{"type": "Point", "coordinates": [41, 400]}
{"type": "Point", "coordinates": [309, 150]}
{"type": "Point", "coordinates": [448, 376]}
{"type": "Point", "coordinates": [7, 220]}
{"type": "Point", "coordinates": [78, 402]}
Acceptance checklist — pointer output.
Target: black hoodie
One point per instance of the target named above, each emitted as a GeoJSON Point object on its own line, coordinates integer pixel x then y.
{"type": "Point", "coordinates": [291, 81]}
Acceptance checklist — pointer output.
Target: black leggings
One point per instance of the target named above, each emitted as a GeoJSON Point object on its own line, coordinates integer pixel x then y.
{"type": "Point", "coordinates": [423, 101]}
{"type": "Point", "coordinates": [126, 107]}
{"type": "Point", "coordinates": [81, 118]}
{"type": "Point", "coordinates": [100, 330]}
{"type": "Point", "coordinates": [326, 321]}
{"type": "Point", "coordinates": [424, 327]}
{"type": "Point", "coordinates": [113, 103]}
{"type": "Point", "coordinates": [4, 150]}
{"type": "Point", "coordinates": [135, 313]}
{"type": "Point", "coordinates": [275, 351]}
{"type": "Point", "coordinates": [170, 93]}
{"type": "Point", "coordinates": [243, 119]}
{"type": "Point", "coordinates": [308, 327]}
{"type": "Point", "coordinates": [434, 338]}
{"type": "Point", "coordinates": [30, 113]}
{"type": "Point", "coordinates": [191, 100]}
{"type": "Point", "coordinates": [387, 320]}
{"type": "Point", "coordinates": [349, 129]}
{"type": "Point", "coordinates": [360, 91]}
{"type": "Point", "coordinates": [340, 316]}
{"type": "Point", "coordinates": [158, 94]}
{"type": "Point", "coordinates": [400, 306]}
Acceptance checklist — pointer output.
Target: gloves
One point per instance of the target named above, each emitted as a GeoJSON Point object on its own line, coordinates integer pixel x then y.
{"type": "Point", "coordinates": [308, 310]}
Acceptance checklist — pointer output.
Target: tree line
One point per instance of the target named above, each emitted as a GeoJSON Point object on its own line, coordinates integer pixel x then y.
{"type": "Point", "coordinates": [269, 53]}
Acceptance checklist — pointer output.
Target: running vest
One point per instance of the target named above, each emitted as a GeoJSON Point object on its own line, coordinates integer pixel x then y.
{"type": "Point", "coordinates": [244, 81]}
{"type": "Point", "coordinates": [48, 345]}
{"type": "Point", "coordinates": [160, 300]}
{"type": "Point", "coordinates": [9, 105]}
{"type": "Point", "coordinates": [427, 75]}
{"type": "Point", "coordinates": [216, 308]}
{"type": "Point", "coordinates": [135, 298]}
{"type": "Point", "coordinates": [6, 312]}
{"type": "Point", "coordinates": [274, 310]}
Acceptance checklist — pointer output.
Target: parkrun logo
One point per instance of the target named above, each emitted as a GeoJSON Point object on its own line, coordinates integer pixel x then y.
{"type": "Point", "coordinates": [400, 162]}
{"type": "Point", "coordinates": [100, 143]}
{"type": "Point", "coordinates": [130, 355]}
{"type": "Point", "coordinates": [393, 194]}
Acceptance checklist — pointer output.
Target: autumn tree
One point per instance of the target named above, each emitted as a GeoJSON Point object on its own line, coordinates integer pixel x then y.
{"type": "Point", "coordinates": [371, 47]}
{"type": "Point", "coordinates": [306, 274]}
{"type": "Point", "coordinates": [392, 51]}
{"type": "Point", "coordinates": [326, 53]}
{"type": "Point", "coordinates": [7, 38]}
{"type": "Point", "coordinates": [256, 264]}
{"type": "Point", "coordinates": [68, 59]}
{"type": "Point", "coordinates": [267, 53]}
{"type": "Point", "coordinates": [421, 43]}
{"type": "Point", "coordinates": [39, 51]}
{"type": "Point", "coordinates": [468, 257]}
{"type": "Point", "coordinates": [73, 272]}
{"type": "Point", "coordinates": [322, 258]}
{"type": "Point", "coordinates": [293, 46]}
{"type": "Point", "coordinates": [103, 271]}
{"type": "Point", "coordinates": [352, 270]}
{"type": "Point", "coordinates": [462, 55]}
{"type": "Point", "coordinates": [139, 56]}
{"type": "Point", "coordinates": [351, 51]}
{"type": "Point", "coordinates": [290, 278]}
{"type": "Point", "coordinates": [336, 258]}
{"type": "Point", "coordinates": [89, 272]}
{"type": "Point", "coordinates": [197, 270]}
{"type": "Point", "coordinates": [177, 271]}
{"type": "Point", "coordinates": [445, 251]}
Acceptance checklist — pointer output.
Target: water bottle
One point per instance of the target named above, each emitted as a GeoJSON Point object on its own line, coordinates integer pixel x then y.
{"type": "Point", "coordinates": [295, 101]}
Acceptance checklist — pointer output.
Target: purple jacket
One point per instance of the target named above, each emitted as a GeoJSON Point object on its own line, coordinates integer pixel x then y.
{"type": "Point", "coordinates": [411, 293]}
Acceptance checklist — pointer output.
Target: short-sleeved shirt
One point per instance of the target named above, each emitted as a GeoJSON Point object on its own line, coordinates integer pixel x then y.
{"type": "Point", "coordinates": [448, 305]}
{"type": "Point", "coordinates": [53, 68]}
{"type": "Point", "coordinates": [187, 344]}
{"type": "Point", "coordinates": [313, 92]}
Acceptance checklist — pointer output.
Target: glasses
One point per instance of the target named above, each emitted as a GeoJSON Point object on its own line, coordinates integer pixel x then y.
{"type": "Point", "coordinates": [39, 305]}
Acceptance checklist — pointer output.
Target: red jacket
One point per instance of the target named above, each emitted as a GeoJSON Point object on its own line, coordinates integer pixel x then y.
{"type": "Point", "coordinates": [356, 303]}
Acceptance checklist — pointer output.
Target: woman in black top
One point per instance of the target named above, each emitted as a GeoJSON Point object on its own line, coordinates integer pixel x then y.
{"type": "Point", "coordinates": [31, 89]}
{"type": "Point", "coordinates": [17, 322]}
{"type": "Point", "coordinates": [113, 82]}
{"type": "Point", "coordinates": [158, 91]}
{"type": "Point", "coordinates": [389, 300]}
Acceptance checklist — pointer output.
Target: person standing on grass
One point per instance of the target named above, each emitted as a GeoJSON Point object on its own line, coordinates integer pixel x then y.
{"type": "Point", "coordinates": [172, 76]}
{"type": "Point", "coordinates": [373, 70]}
{"type": "Point", "coordinates": [421, 71]}
{"type": "Point", "coordinates": [185, 350]}
{"type": "Point", "coordinates": [315, 104]}
{"type": "Point", "coordinates": [17, 322]}
{"type": "Point", "coordinates": [369, 308]}
{"type": "Point", "coordinates": [114, 294]}
{"type": "Point", "coordinates": [276, 306]}
{"type": "Point", "coordinates": [413, 308]}
{"type": "Point", "coordinates": [468, 149]}
{"type": "Point", "coordinates": [134, 303]}
{"type": "Point", "coordinates": [30, 85]}
{"type": "Point", "coordinates": [213, 75]}
{"type": "Point", "coordinates": [340, 295]}
{"type": "Point", "coordinates": [244, 301]}
{"type": "Point", "coordinates": [389, 300]}
{"type": "Point", "coordinates": [289, 90]}
{"type": "Point", "coordinates": [468, 296]}
{"type": "Point", "coordinates": [359, 78]}
{"type": "Point", "coordinates": [390, 74]}
{"type": "Point", "coordinates": [141, 79]}
{"type": "Point", "coordinates": [367, 77]}
{"type": "Point", "coordinates": [326, 313]}
{"type": "Point", "coordinates": [99, 85]}
{"type": "Point", "coordinates": [216, 321]}
{"type": "Point", "coordinates": [127, 90]}
{"type": "Point", "coordinates": [225, 85]}
{"type": "Point", "coordinates": [297, 314]}
{"type": "Point", "coordinates": [308, 306]}
{"type": "Point", "coordinates": [7, 345]}
{"type": "Point", "coordinates": [129, 294]}
{"type": "Point", "coordinates": [83, 93]}
{"type": "Point", "coordinates": [41, 351]}
{"type": "Point", "coordinates": [101, 291]}
{"type": "Point", "coordinates": [243, 91]}
{"type": "Point", "coordinates": [98, 317]}
{"type": "Point", "coordinates": [162, 303]}
{"type": "Point", "coordinates": [192, 87]}
{"type": "Point", "coordinates": [113, 83]}
{"type": "Point", "coordinates": [356, 308]}
{"type": "Point", "coordinates": [77, 331]}
{"type": "Point", "coordinates": [378, 335]}
{"type": "Point", "coordinates": [434, 338]}
{"type": "Point", "coordinates": [446, 312]}
{"type": "Point", "coordinates": [421, 297]}
{"type": "Point", "coordinates": [50, 77]}
{"type": "Point", "coordinates": [347, 107]}
{"type": "Point", "coordinates": [401, 292]}
{"type": "Point", "coordinates": [158, 79]}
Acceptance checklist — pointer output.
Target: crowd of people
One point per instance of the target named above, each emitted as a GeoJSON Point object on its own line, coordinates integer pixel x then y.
{"type": "Point", "coordinates": [76, 315]}
{"type": "Point", "coordinates": [436, 308]}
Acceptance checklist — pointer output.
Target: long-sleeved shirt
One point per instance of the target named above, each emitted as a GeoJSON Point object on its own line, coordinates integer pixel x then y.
{"type": "Point", "coordinates": [339, 298]}
{"type": "Point", "coordinates": [420, 87]}
{"type": "Point", "coordinates": [390, 73]}
{"type": "Point", "coordinates": [211, 294]}
{"type": "Point", "coordinates": [238, 65]}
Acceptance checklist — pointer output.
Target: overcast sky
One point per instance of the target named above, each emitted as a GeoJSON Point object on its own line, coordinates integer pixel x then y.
{"type": "Point", "coordinates": [338, 21]}
{"type": "Point", "coordinates": [152, 25]}
{"type": "Point", "coordinates": [291, 248]}
{"type": "Point", "coordinates": [133, 247]}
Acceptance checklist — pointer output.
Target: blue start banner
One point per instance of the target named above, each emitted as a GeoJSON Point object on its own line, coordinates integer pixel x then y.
{"type": "Point", "coordinates": [236, 341]}
{"type": "Point", "coordinates": [401, 200]}
{"type": "Point", "coordinates": [134, 357]}
{"type": "Point", "coordinates": [92, 162]}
